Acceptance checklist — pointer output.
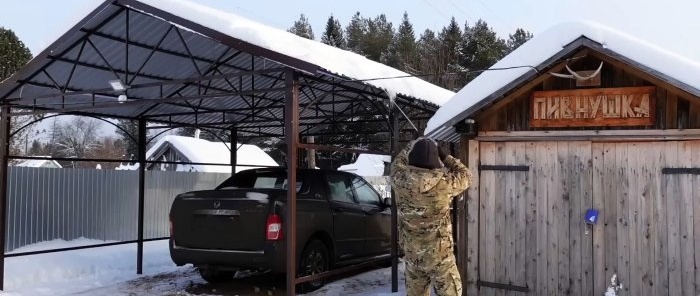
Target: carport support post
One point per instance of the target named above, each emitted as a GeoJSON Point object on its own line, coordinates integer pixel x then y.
{"type": "Point", "coordinates": [291, 133]}
{"type": "Point", "coordinates": [142, 193]}
{"type": "Point", "coordinates": [4, 152]}
{"type": "Point", "coordinates": [394, 138]}
{"type": "Point", "coordinates": [234, 149]}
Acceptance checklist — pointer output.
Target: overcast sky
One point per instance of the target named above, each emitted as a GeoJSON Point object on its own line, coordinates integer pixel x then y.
{"type": "Point", "coordinates": [673, 24]}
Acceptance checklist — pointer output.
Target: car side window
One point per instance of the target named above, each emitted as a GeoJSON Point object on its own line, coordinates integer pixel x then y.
{"type": "Point", "coordinates": [340, 188]}
{"type": "Point", "coordinates": [365, 194]}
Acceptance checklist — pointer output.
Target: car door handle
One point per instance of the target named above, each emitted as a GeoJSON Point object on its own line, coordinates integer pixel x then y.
{"type": "Point", "coordinates": [338, 210]}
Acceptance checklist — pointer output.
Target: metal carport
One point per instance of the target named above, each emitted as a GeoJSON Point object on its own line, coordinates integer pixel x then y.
{"type": "Point", "coordinates": [177, 72]}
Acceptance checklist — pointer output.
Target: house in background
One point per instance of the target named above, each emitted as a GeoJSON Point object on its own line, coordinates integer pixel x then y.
{"type": "Point", "coordinates": [374, 168]}
{"type": "Point", "coordinates": [40, 163]}
{"type": "Point", "coordinates": [368, 165]}
{"type": "Point", "coordinates": [195, 150]}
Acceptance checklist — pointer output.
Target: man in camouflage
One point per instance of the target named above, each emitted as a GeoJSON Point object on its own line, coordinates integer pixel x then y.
{"type": "Point", "coordinates": [425, 178]}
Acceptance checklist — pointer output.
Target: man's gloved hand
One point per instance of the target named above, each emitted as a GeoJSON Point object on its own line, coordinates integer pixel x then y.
{"type": "Point", "coordinates": [443, 150]}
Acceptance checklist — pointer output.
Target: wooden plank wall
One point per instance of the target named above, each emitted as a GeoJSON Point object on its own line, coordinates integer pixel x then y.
{"type": "Point", "coordinates": [531, 230]}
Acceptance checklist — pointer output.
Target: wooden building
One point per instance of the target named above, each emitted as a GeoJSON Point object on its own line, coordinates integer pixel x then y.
{"type": "Point", "coordinates": [551, 142]}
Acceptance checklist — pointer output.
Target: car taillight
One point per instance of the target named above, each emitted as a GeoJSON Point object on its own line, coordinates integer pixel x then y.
{"type": "Point", "coordinates": [274, 227]}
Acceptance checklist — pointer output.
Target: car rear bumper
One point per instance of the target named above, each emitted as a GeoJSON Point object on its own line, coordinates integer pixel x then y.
{"type": "Point", "coordinates": [272, 257]}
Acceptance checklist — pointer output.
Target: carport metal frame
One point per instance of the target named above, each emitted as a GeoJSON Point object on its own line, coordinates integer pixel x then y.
{"type": "Point", "coordinates": [181, 99]}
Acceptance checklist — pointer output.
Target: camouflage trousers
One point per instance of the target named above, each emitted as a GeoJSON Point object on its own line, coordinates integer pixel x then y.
{"type": "Point", "coordinates": [435, 264]}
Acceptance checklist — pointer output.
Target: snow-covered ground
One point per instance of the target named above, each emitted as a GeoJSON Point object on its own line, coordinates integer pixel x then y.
{"type": "Point", "coordinates": [112, 271]}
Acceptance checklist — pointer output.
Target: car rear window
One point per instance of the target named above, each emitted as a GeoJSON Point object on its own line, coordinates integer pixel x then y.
{"type": "Point", "coordinates": [260, 180]}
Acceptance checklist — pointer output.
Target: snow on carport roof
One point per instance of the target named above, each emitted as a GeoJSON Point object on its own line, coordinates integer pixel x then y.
{"type": "Point", "coordinates": [186, 64]}
{"type": "Point", "coordinates": [333, 60]}
{"type": "Point", "coordinates": [540, 49]}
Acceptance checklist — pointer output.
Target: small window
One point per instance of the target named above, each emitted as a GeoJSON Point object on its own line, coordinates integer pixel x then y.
{"type": "Point", "coordinates": [340, 187]}
{"type": "Point", "coordinates": [365, 194]}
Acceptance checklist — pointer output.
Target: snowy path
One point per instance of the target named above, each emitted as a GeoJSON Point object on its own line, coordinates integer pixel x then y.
{"type": "Point", "coordinates": [111, 271]}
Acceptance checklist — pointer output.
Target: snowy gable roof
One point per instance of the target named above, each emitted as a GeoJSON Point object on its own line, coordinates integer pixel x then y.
{"type": "Point", "coordinates": [203, 151]}
{"type": "Point", "coordinates": [329, 59]}
{"type": "Point", "coordinates": [40, 163]}
{"type": "Point", "coordinates": [543, 50]}
{"type": "Point", "coordinates": [367, 165]}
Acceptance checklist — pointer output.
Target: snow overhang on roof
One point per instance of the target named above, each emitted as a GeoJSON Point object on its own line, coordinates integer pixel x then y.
{"type": "Point", "coordinates": [547, 48]}
{"type": "Point", "coordinates": [323, 58]}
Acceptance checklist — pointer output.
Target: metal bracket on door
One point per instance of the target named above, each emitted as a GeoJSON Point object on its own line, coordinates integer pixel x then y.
{"type": "Point", "coordinates": [508, 287]}
{"type": "Point", "coordinates": [680, 171]}
{"type": "Point", "coordinates": [507, 168]}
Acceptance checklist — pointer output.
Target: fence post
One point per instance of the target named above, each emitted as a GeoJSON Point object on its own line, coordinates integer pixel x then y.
{"type": "Point", "coordinates": [142, 193]}
{"type": "Point", "coordinates": [4, 152]}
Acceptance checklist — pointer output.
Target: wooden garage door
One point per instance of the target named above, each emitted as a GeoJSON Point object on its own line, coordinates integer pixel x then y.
{"type": "Point", "coordinates": [531, 230]}
{"type": "Point", "coordinates": [530, 237]}
{"type": "Point", "coordinates": [650, 230]}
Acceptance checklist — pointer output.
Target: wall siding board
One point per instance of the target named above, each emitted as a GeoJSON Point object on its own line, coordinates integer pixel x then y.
{"type": "Point", "coordinates": [473, 209]}
{"type": "Point", "coordinates": [673, 209]}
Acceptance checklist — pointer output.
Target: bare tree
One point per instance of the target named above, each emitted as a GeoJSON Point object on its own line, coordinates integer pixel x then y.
{"type": "Point", "coordinates": [77, 138]}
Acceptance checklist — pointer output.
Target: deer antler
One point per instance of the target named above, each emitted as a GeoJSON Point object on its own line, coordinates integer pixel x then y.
{"type": "Point", "coordinates": [576, 76]}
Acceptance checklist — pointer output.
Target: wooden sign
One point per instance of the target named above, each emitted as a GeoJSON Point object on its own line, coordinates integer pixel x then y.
{"type": "Point", "coordinates": [627, 106]}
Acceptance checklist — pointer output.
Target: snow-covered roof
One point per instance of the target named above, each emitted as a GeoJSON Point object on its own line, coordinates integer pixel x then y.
{"type": "Point", "coordinates": [367, 165]}
{"type": "Point", "coordinates": [203, 151]}
{"type": "Point", "coordinates": [39, 163]}
{"type": "Point", "coordinates": [333, 60]}
{"type": "Point", "coordinates": [540, 49]}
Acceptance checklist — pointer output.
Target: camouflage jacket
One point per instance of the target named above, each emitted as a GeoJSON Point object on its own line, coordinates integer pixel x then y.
{"type": "Point", "coordinates": [424, 198]}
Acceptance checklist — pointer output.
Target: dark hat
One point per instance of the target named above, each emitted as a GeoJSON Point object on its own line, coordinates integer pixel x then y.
{"type": "Point", "coordinates": [424, 154]}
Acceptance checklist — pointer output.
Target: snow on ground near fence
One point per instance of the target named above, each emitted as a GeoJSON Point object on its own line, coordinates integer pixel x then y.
{"type": "Point", "coordinates": [112, 271]}
{"type": "Point", "coordinates": [66, 273]}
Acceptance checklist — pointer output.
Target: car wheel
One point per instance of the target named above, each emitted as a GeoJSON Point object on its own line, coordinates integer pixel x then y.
{"type": "Point", "coordinates": [314, 260]}
{"type": "Point", "coordinates": [213, 276]}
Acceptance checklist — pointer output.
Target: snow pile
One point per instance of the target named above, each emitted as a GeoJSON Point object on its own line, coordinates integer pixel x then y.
{"type": "Point", "coordinates": [547, 44]}
{"type": "Point", "coordinates": [203, 151]}
{"type": "Point", "coordinates": [69, 272]}
{"type": "Point", "coordinates": [614, 286]}
{"type": "Point", "coordinates": [375, 283]}
{"type": "Point", "coordinates": [367, 165]}
{"type": "Point", "coordinates": [331, 59]}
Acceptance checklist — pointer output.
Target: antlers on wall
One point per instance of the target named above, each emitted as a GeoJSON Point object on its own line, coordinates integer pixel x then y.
{"type": "Point", "coordinates": [574, 75]}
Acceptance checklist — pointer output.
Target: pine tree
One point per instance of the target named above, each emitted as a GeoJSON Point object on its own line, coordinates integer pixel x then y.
{"type": "Point", "coordinates": [302, 28]}
{"type": "Point", "coordinates": [481, 48]}
{"type": "Point", "coordinates": [13, 53]}
{"type": "Point", "coordinates": [518, 38]}
{"type": "Point", "coordinates": [380, 33]}
{"type": "Point", "coordinates": [428, 47]}
{"type": "Point", "coordinates": [131, 129]}
{"type": "Point", "coordinates": [403, 51]}
{"type": "Point", "coordinates": [356, 32]}
{"type": "Point", "coordinates": [333, 35]}
{"type": "Point", "coordinates": [448, 56]}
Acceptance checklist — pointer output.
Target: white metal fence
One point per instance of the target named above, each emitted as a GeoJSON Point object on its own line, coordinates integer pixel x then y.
{"type": "Point", "coordinates": [46, 204]}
